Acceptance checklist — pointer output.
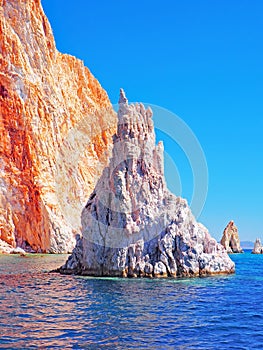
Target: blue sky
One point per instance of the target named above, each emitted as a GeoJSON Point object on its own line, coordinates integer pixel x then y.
{"type": "Point", "coordinates": [203, 61]}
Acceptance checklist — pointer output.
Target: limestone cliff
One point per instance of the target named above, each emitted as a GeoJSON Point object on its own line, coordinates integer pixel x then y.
{"type": "Point", "coordinates": [230, 239]}
{"type": "Point", "coordinates": [132, 225]}
{"type": "Point", "coordinates": [56, 125]}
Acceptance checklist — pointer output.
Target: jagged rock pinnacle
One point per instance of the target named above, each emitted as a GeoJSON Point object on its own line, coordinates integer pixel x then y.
{"type": "Point", "coordinates": [132, 225]}
{"type": "Point", "coordinates": [123, 99]}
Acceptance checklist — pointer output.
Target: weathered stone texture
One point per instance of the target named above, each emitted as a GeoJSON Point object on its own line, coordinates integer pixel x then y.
{"type": "Point", "coordinates": [230, 239]}
{"type": "Point", "coordinates": [132, 225]}
{"type": "Point", "coordinates": [56, 127]}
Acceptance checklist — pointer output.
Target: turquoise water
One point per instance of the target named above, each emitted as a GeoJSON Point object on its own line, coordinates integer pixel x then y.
{"type": "Point", "coordinates": [43, 310]}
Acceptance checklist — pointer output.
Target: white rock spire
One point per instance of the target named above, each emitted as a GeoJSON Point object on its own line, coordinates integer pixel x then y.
{"type": "Point", "coordinates": [132, 225]}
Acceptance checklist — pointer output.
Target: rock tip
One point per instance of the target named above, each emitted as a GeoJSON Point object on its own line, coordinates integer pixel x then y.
{"type": "Point", "coordinates": [123, 99]}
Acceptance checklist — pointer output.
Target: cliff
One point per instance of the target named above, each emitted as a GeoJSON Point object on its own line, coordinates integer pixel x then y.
{"type": "Point", "coordinates": [230, 239]}
{"type": "Point", "coordinates": [56, 125]}
{"type": "Point", "coordinates": [132, 225]}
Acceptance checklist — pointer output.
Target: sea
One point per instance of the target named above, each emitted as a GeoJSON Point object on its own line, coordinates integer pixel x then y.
{"type": "Point", "coordinates": [43, 310]}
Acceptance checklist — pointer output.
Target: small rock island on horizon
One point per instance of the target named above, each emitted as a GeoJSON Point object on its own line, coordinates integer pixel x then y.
{"type": "Point", "coordinates": [258, 247]}
{"type": "Point", "coordinates": [230, 239]}
{"type": "Point", "coordinates": [132, 226]}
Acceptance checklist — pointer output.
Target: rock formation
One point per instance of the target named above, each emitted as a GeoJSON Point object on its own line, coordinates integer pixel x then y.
{"type": "Point", "coordinates": [56, 125]}
{"type": "Point", "coordinates": [132, 225]}
{"type": "Point", "coordinates": [230, 240]}
{"type": "Point", "coordinates": [258, 248]}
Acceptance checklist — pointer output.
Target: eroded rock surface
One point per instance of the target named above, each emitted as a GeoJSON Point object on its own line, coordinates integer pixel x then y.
{"type": "Point", "coordinates": [230, 239]}
{"type": "Point", "coordinates": [132, 225]}
{"type": "Point", "coordinates": [56, 126]}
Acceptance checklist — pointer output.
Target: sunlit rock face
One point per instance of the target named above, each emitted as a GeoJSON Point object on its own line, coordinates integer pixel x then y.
{"type": "Point", "coordinates": [230, 239]}
{"type": "Point", "coordinates": [56, 125]}
{"type": "Point", "coordinates": [132, 225]}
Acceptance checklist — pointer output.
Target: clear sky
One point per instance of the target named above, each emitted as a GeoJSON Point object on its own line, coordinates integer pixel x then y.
{"type": "Point", "coordinates": [200, 59]}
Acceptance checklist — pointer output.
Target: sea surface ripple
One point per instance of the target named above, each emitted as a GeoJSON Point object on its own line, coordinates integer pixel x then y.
{"type": "Point", "coordinates": [50, 311]}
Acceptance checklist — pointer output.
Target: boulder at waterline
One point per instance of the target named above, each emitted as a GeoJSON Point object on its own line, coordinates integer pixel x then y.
{"type": "Point", "coordinates": [132, 225]}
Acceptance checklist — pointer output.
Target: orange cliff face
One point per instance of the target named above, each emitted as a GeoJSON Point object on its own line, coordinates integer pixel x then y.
{"type": "Point", "coordinates": [56, 127]}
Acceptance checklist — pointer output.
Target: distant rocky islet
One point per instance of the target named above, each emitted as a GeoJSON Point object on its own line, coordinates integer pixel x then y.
{"type": "Point", "coordinates": [258, 247]}
{"type": "Point", "coordinates": [230, 239]}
